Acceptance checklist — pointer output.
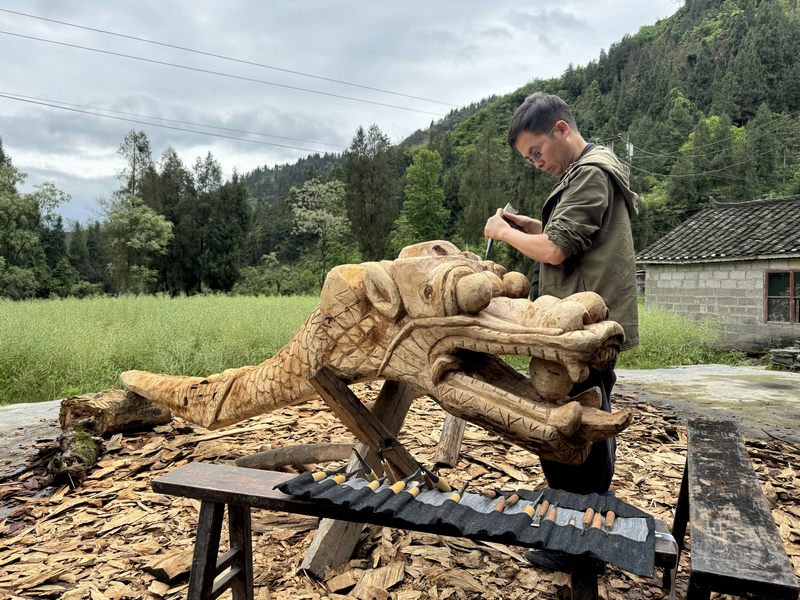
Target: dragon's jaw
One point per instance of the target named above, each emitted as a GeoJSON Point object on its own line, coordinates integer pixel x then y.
{"type": "Point", "coordinates": [470, 381]}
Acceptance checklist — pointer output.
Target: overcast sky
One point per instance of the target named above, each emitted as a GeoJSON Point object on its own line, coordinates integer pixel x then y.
{"type": "Point", "coordinates": [447, 54]}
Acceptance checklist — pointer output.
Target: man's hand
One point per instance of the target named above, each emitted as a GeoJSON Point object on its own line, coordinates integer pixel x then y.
{"type": "Point", "coordinates": [526, 224]}
{"type": "Point", "coordinates": [495, 226]}
{"type": "Point", "coordinates": [498, 224]}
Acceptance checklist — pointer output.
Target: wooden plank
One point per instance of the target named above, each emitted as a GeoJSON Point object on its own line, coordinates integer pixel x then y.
{"type": "Point", "coordinates": [241, 538]}
{"type": "Point", "coordinates": [450, 441]}
{"type": "Point", "coordinates": [233, 485]}
{"type": "Point", "coordinates": [736, 546]}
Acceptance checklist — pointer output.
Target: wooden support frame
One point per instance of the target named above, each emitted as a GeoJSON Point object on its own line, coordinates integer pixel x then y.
{"type": "Point", "coordinates": [335, 541]}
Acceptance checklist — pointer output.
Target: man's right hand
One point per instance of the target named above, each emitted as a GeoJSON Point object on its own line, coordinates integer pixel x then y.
{"type": "Point", "coordinates": [526, 224]}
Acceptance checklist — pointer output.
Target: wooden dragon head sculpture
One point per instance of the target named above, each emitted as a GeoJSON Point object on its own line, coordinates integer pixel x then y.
{"type": "Point", "coordinates": [438, 320]}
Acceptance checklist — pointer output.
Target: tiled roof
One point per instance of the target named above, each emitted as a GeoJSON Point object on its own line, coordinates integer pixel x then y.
{"type": "Point", "coordinates": [729, 231]}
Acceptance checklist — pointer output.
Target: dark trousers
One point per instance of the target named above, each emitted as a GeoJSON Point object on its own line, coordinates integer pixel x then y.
{"type": "Point", "coordinates": [593, 475]}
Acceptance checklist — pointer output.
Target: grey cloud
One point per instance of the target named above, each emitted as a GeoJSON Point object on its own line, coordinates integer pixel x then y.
{"type": "Point", "coordinates": [450, 53]}
{"type": "Point", "coordinates": [496, 34]}
{"type": "Point", "coordinates": [546, 19]}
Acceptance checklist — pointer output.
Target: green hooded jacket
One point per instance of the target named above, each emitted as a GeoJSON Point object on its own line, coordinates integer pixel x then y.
{"type": "Point", "coordinates": [588, 215]}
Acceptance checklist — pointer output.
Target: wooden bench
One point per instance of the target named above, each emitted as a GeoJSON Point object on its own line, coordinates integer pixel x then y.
{"type": "Point", "coordinates": [218, 486]}
{"type": "Point", "coordinates": [736, 548]}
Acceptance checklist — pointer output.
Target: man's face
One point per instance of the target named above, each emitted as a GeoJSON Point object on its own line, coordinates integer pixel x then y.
{"type": "Point", "coordinates": [544, 151]}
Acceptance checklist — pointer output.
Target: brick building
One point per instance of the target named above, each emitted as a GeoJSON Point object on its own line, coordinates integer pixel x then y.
{"type": "Point", "coordinates": [736, 264]}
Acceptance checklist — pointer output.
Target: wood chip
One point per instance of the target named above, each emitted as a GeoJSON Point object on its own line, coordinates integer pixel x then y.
{"type": "Point", "coordinates": [115, 538]}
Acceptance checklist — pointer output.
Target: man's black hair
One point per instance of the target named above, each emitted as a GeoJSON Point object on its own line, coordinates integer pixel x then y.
{"type": "Point", "coordinates": [537, 114]}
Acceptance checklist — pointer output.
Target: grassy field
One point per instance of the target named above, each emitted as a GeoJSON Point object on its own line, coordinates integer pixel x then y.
{"type": "Point", "coordinates": [54, 348]}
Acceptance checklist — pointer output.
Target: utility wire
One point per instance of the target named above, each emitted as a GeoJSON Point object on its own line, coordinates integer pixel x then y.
{"type": "Point", "coordinates": [223, 57]}
{"type": "Point", "coordinates": [130, 114]}
{"type": "Point", "coordinates": [766, 127]}
{"type": "Point", "coordinates": [218, 73]}
{"type": "Point", "coordinates": [708, 172]}
{"type": "Point", "coordinates": [219, 135]}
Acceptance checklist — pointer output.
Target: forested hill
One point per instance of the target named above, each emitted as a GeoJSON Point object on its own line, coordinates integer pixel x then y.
{"type": "Point", "coordinates": [702, 104]}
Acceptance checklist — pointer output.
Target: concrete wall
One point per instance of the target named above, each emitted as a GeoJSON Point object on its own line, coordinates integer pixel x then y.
{"type": "Point", "coordinates": [729, 293]}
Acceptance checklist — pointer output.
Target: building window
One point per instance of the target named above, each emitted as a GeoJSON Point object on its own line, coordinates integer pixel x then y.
{"type": "Point", "coordinates": [783, 296]}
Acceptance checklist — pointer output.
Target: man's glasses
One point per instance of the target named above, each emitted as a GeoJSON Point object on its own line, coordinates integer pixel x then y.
{"type": "Point", "coordinates": [535, 155]}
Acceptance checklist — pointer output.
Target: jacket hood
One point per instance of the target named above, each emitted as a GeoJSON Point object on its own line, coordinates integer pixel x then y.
{"type": "Point", "coordinates": [602, 157]}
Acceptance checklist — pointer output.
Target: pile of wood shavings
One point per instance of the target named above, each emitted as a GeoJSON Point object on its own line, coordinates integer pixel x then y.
{"type": "Point", "coordinates": [113, 538]}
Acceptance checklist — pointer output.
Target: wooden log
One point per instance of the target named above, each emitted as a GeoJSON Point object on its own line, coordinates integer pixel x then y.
{"type": "Point", "coordinates": [300, 454]}
{"type": "Point", "coordinates": [449, 442]}
{"type": "Point", "coordinates": [111, 411]}
{"type": "Point", "coordinates": [335, 541]}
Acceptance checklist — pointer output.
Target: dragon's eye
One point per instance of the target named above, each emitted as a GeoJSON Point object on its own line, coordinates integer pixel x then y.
{"type": "Point", "coordinates": [428, 292]}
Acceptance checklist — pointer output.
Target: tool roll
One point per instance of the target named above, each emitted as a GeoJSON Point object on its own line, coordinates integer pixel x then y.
{"type": "Point", "coordinates": [601, 527]}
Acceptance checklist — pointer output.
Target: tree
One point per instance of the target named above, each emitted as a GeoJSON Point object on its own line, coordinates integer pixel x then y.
{"type": "Point", "coordinates": [318, 213]}
{"type": "Point", "coordinates": [77, 251]}
{"type": "Point", "coordinates": [226, 230]}
{"type": "Point", "coordinates": [135, 149]}
{"type": "Point", "coordinates": [371, 200]}
{"type": "Point", "coordinates": [483, 184]}
{"type": "Point", "coordinates": [4, 160]}
{"type": "Point", "coordinates": [207, 174]}
{"type": "Point", "coordinates": [97, 250]}
{"type": "Point", "coordinates": [29, 235]}
{"type": "Point", "coordinates": [137, 234]}
{"type": "Point", "coordinates": [423, 216]}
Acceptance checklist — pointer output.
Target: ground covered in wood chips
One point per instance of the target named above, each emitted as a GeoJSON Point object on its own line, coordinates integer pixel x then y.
{"type": "Point", "coordinates": [113, 538]}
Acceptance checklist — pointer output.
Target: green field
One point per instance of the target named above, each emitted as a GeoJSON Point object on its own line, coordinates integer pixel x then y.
{"type": "Point", "coordinates": [54, 348]}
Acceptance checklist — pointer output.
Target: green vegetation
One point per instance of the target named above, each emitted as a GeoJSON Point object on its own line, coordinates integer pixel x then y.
{"type": "Point", "coordinates": [702, 105]}
{"type": "Point", "coordinates": [667, 339]}
{"type": "Point", "coordinates": [54, 348]}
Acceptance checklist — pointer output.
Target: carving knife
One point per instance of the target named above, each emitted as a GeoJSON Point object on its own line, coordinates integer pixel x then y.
{"type": "Point", "coordinates": [509, 209]}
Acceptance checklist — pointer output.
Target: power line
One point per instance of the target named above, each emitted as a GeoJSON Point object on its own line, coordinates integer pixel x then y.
{"type": "Point", "coordinates": [767, 127]}
{"type": "Point", "coordinates": [219, 73]}
{"type": "Point", "coordinates": [708, 172]}
{"type": "Point", "coordinates": [223, 57]}
{"type": "Point", "coordinates": [194, 124]}
{"type": "Point", "coordinates": [219, 135]}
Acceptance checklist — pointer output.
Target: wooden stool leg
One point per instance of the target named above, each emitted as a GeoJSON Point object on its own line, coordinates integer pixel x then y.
{"type": "Point", "coordinates": [696, 590]}
{"type": "Point", "coordinates": [206, 548]}
{"type": "Point", "coordinates": [583, 579]}
{"type": "Point", "coordinates": [241, 540]}
{"type": "Point", "coordinates": [679, 528]}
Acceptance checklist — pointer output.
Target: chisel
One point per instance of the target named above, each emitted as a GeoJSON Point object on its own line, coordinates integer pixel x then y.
{"type": "Point", "coordinates": [368, 472]}
{"type": "Point", "coordinates": [540, 512]}
{"type": "Point", "coordinates": [611, 518]}
{"type": "Point", "coordinates": [587, 519]}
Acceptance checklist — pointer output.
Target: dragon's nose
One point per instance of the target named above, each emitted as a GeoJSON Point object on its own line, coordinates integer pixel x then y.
{"type": "Point", "coordinates": [473, 293]}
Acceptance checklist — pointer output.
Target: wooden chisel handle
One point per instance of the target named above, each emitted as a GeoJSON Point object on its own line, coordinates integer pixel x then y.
{"type": "Point", "coordinates": [551, 514]}
{"type": "Point", "coordinates": [598, 521]}
{"type": "Point", "coordinates": [611, 518]}
{"type": "Point", "coordinates": [587, 517]}
{"type": "Point", "coordinates": [543, 508]}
